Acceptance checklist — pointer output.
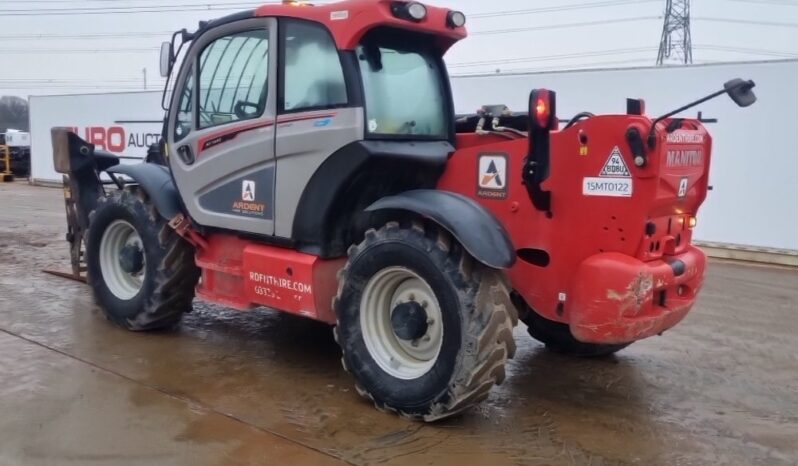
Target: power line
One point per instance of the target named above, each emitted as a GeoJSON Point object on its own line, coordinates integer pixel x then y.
{"type": "Point", "coordinates": [551, 57]}
{"type": "Point", "coordinates": [110, 35]}
{"type": "Point", "coordinates": [128, 10]}
{"type": "Point", "coordinates": [576, 66]}
{"type": "Point", "coordinates": [565, 26]}
{"type": "Point", "coordinates": [576, 6]}
{"type": "Point", "coordinates": [74, 51]}
{"type": "Point", "coordinates": [165, 33]}
{"type": "Point", "coordinates": [720, 48]}
{"type": "Point", "coordinates": [69, 81]}
{"type": "Point", "coordinates": [6, 2]}
{"type": "Point", "coordinates": [123, 35]}
{"type": "Point", "coordinates": [768, 2]}
{"type": "Point", "coordinates": [763, 52]}
{"type": "Point", "coordinates": [746, 21]}
{"type": "Point", "coordinates": [162, 8]}
{"type": "Point", "coordinates": [77, 88]}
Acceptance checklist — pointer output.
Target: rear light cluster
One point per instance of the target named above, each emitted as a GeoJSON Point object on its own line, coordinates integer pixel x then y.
{"type": "Point", "coordinates": [417, 12]}
{"type": "Point", "coordinates": [542, 110]}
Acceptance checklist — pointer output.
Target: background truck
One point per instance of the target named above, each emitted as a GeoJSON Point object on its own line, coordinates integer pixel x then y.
{"type": "Point", "coordinates": [313, 163]}
{"type": "Point", "coordinates": [18, 145]}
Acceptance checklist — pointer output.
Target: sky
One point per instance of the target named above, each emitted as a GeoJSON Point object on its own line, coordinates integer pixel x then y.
{"type": "Point", "coordinates": [46, 48]}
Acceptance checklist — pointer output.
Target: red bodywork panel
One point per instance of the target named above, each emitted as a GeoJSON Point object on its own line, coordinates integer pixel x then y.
{"type": "Point", "coordinates": [350, 20]}
{"type": "Point", "coordinates": [244, 274]}
{"type": "Point", "coordinates": [593, 264]}
{"type": "Point", "coordinates": [616, 269]}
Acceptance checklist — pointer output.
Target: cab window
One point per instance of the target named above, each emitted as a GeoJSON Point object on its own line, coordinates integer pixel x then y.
{"type": "Point", "coordinates": [184, 108]}
{"type": "Point", "coordinates": [233, 78]}
{"type": "Point", "coordinates": [404, 89]}
{"type": "Point", "coordinates": [312, 74]}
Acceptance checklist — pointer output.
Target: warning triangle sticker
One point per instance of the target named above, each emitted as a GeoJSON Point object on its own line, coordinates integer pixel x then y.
{"type": "Point", "coordinates": [616, 167]}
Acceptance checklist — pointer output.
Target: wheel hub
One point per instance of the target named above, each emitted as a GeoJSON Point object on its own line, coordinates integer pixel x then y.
{"type": "Point", "coordinates": [131, 259]}
{"type": "Point", "coordinates": [402, 322]}
{"type": "Point", "coordinates": [409, 321]}
{"type": "Point", "coordinates": [122, 261]}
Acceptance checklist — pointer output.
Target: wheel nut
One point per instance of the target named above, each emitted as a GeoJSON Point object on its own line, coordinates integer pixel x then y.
{"type": "Point", "coordinates": [412, 297]}
{"type": "Point", "coordinates": [425, 304]}
{"type": "Point", "coordinates": [414, 344]}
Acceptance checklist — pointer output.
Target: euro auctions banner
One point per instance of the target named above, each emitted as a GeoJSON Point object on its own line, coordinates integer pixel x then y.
{"type": "Point", "coordinates": [118, 139]}
{"type": "Point", "coordinates": [123, 123]}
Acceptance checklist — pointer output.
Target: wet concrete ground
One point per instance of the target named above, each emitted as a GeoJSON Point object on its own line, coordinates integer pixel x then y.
{"type": "Point", "coordinates": [263, 388]}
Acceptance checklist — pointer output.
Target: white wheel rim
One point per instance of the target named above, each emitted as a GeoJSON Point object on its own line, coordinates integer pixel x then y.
{"type": "Point", "coordinates": [406, 360]}
{"type": "Point", "coordinates": [122, 284]}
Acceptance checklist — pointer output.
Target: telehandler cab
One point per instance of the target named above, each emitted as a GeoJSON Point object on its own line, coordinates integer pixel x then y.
{"type": "Point", "coordinates": [313, 163]}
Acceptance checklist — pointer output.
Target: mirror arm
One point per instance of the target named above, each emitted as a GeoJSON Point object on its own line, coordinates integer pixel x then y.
{"type": "Point", "coordinates": [652, 135]}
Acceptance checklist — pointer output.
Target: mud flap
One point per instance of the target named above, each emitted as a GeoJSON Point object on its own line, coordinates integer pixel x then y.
{"type": "Point", "coordinates": [475, 227]}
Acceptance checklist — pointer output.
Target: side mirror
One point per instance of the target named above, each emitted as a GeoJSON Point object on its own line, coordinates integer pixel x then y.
{"type": "Point", "coordinates": [741, 92]}
{"type": "Point", "coordinates": [166, 59]}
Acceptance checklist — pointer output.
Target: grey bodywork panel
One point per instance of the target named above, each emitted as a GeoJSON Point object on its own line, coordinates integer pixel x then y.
{"type": "Point", "coordinates": [214, 187]}
{"type": "Point", "coordinates": [249, 195]}
{"type": "Point", "coordinates": [331, 214]}
{"type": "Point", "coordinates": [306, 176]}
{"type": "Point", "coordinates": [157, 183]}
{"type": "Point", "coordinates": [475, 227]}
{"type": "Point", "coordinates": [231, 155]}
{"type": "Point", "coordinates": [302, 147]}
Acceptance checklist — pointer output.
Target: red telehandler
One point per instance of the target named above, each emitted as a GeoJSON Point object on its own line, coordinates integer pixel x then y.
{"type": "Point", "coordinates": [313, 163]}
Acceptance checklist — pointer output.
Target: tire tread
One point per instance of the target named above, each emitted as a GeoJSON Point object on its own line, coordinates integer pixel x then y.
{"type": "Point", "coordinates": [176, 273]}
{"type": "Point", "coordinates": [489, 325]}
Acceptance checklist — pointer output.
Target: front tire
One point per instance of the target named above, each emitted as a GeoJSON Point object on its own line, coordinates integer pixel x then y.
{"type": "Point", "coordinates": [424, 328]}
{"type": "Point", "coordinates": [141, 272]}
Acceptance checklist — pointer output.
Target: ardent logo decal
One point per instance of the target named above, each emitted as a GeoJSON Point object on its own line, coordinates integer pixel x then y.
{"type": "Point", "coordinates": [492, 176]}
{"type": "Point", "coordinates": [248, 191]}
{"type": "Point", "coordinates": [248, 204]}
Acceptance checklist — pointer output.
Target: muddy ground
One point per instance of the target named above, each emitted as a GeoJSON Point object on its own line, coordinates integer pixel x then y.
{"type": "Point", "coordinates": [263, 388]}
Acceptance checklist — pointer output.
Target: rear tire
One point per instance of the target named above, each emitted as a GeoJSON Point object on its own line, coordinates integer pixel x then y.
{"type": "Point", "coordinates": [558, 337]}
{"type": "Point", "coordinates": [421, 368]}
{"type": "Point", "coordinates": [142, 273]}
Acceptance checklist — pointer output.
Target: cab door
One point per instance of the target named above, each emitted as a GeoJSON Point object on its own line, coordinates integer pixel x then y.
{"type": "Point", "coordinates": [318, 113]}
{"type": "Point", "coordinates": [221, 128]}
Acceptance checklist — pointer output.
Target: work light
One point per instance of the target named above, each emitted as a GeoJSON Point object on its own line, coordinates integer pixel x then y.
{"type": "Point", "coordinates": [456, 19]}
{"type": "Point", "coordinates": [412, 11]}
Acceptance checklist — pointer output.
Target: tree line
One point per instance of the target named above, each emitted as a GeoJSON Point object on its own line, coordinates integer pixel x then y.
{"type": "Point", "coordinates": [13, 113]}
